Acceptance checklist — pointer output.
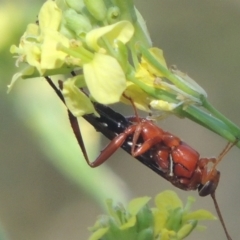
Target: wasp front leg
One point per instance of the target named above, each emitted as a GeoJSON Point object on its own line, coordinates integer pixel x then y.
{"type": "Point", "coordinates": [112, 147]}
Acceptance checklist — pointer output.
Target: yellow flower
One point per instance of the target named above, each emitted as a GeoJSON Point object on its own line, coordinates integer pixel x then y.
{"type": "Point", "coordinates": [130, 223]}
{"type": "Point", "coordinates": [139, 97]}
{"type": "Point", "coordinates": [44, 47]}
{"type": "Point", "coordinates": [103, 74]}
{"type": "Point", "coordinates": [38, 45]}
{"type": "Point", "coordinates": [158, 54]}
{"type": "Point", "coordinates": [172, 220]}
{"type": "Point", "coordinates": [169, 220]}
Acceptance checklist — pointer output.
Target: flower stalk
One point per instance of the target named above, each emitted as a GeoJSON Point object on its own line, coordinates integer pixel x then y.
{"type": "Point", "coordinates": [109, 43]}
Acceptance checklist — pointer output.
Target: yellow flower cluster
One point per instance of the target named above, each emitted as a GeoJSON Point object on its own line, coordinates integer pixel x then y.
{"type": "Point", "coordinates": [67, 39]}
{"type": "Point", "coordinates": [169, 220]}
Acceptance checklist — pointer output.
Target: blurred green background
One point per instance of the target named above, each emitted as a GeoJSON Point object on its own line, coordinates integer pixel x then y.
{"type": "Point", "coordinates": [48, 192]}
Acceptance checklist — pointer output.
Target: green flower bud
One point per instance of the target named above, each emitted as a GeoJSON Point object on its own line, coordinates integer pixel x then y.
{"type": "Point", "coordinates": [113, 14]}
{"type": "Point", "coordinates": [186, 229]}
{"type": "Point", "coordinates": [145, 218]}
{"type": "Point", "coordinates": [77, 5]}
{"type": "Point", "coordinates": [97, 9]}
{"type": "Point", "coordinates": [146, 234]}
{"type": "Point", "coordinates": [175, 219]}
{"type": "Point", "coordinates": [113, 230]}
{"type": "Point", "coordinates": [67, 32]}
{"type": "Point", "coordinates": [77, 22]}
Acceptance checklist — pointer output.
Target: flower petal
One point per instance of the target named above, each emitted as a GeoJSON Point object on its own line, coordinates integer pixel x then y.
{"type": "Point", "coordinates": [28, 71]}
{"type": "Point", "coordinates": [168, 200]}
{"type": "Point", "coordinates": [137, 204]}
{"type": "Point", "coordinates": [130, 223]}
{"type": "Point", "coordinates": [51, 57]}
{"type": "Point", "coordinates": [200, 214]}
{"type": "Point", "coordinates": [122, 31]}
{"type": "Point", "coordinates": [160, 219]}
{"type": "Point", "coordinates": [77, 102]}
{"type": "Point", "coordinates": [104, 78]}
{"type": "Point", "coordinates": [98, 234]}
{"type": "Point", "coordinates": [139, 97]}
{"type": "Point", "coordinates": [50, 16]}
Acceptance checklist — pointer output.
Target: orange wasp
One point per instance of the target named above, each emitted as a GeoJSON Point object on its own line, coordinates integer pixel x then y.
{"type": "Point", "coordinates": [160, 150]}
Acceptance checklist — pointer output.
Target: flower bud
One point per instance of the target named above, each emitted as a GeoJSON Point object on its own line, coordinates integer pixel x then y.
{"type": "Point", "coordinates": [145, 218]}
{"type": "Point", "coordinates": [77, 5]}
{"type": "Point", "coordinates": [174, 219]}
{"type": "Point", "coordinates": [145, 234]}
{"type": "Point", "coordinates": [97, 9]}
{"type": "Point", "coordinates": [186, 229]}
{"type": "Point", "coordinates": [76, 22]}
{"type": "Point", "coordinates": [113, 14]}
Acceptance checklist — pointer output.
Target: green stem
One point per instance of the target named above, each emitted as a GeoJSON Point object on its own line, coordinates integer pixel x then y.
{"type": "Point", "coordinates": [80, 52]}
{"type": "Point", "coordinates": [192, 112]}
{"type": "Point", "coordinates": [134, 55]}
{"type": "Point", "coordinates": [211, 122]}
{"type": "Point", "coordinates": [234, 128]}
{"type": "Point", "coordinates": [139, 35]}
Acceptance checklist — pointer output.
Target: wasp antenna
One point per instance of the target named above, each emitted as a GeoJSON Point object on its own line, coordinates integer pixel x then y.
{"type": "Point", "coordinates": [220, 215]}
